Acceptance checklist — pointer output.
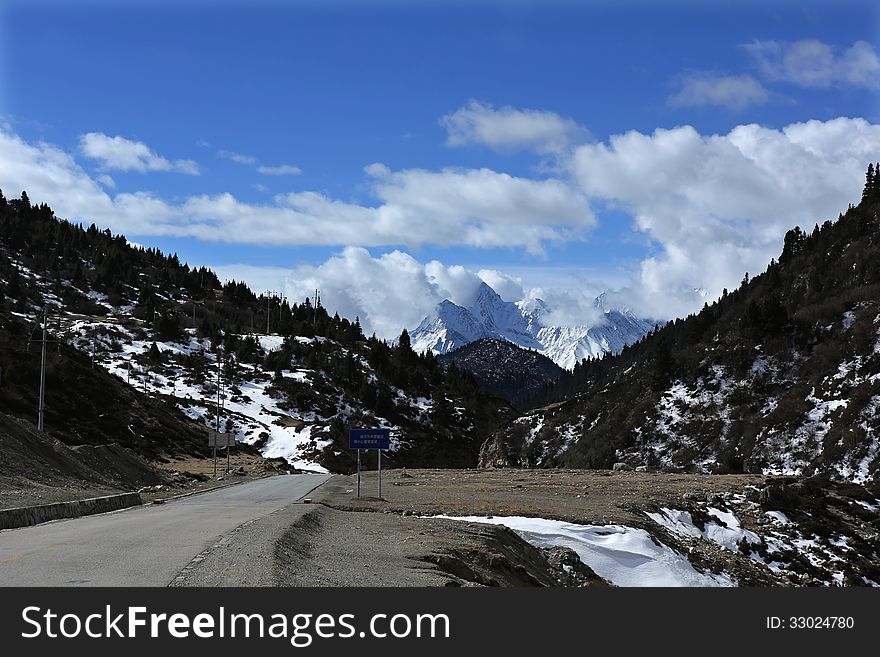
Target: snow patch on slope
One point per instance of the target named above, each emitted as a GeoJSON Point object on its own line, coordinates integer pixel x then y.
{"type": "Point", "coordinates": [625, 556]}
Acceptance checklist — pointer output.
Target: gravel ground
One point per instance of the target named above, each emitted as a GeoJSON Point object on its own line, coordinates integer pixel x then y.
{"type": "Point", "coordinates": [16, 494]}
{"type": "Point", "coordinates": [245, 556]}
{"type": "Point", "coordinates": [582, 496]}
{"type": "Point", "coordinates": [340, 540]}
{"type": "Point", "coordinates": [310, 544]}
{"type": "Point", "coordinates": [185, 475]}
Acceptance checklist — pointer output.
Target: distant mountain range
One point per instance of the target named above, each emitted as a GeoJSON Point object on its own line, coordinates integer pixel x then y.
{"type": "Point", "coordinates": [450, 326]}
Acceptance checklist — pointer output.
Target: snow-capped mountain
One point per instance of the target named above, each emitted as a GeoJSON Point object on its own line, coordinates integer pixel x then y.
{"type": "Point", "coordinates": [450, 326]}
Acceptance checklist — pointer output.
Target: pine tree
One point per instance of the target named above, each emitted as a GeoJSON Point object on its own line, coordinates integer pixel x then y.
{"type": "Point", "coordinates": [404, 342]}
{"type": "Point", "coordinates": [154, 355]}
{"type": "Point", "coordinates": [441, 409]}
{"type": "Point", "coordinates": [870, 184]}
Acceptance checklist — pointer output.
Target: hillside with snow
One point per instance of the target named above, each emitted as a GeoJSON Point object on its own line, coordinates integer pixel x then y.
{"type": "Point", "coordinates": [781, 376]}
{"type": "Point", "coordinates": [182, 341]}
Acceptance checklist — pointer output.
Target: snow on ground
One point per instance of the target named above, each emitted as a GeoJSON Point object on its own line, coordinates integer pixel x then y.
{"type": "Point", "coordinates": [792, 454]}
{"type": "Point", "coordinates": [267, 342]}
{"type": "Point", "coordinates": [569, 435]}
{"type": "Point", "coordinates": [874, 508]}
{"type": "Point", "coordinates": [625, 556]}
{"type": "Point", "coordinates": [778, 516]}
{"type": "Point", "coordinates": [780, 538]}
{"type": "Point", "coordinates": [681, 405]}
{"type": "Point", "coordinates": [727, 532]}
{"type": "Point", "coordinates": [254, 414]}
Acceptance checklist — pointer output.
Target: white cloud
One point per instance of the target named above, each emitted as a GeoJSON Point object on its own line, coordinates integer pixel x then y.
{"type": "Point", "coordinates": [239, 158]}
{"type": "Point", "coordinates": [283, 170]}
{"type": "Point", "coordinates": [121, 154]}
{"type": "Point", "coordinates": [107, 181]}
{"type": "Point", "coordinates": [395, 291]}
{"type": "Point", "coordinates": [450, 207]}
{"type": "Point", "coordinates": [52, 176]}
{"type": "Point", "coordinates": [733, 91]}
{"type": "Point", "coordinates": [392, 291]}
{"type": "Point", "coordinates": [509, 288]}
{"type": "Point", "coordinates": [568, 306]}
{"type": "Point", "coordinates": [387, 293]}
{"type": "Point", "coordinates": [479, 207]}
{"type": "Point", "coordinates": [718, 205]}
{"type": "Point", "coordinates": [509, 128]}
{"type": "Point", "coordinates": [715, 206]}
{"type": "Point", "coordinates": [259, 278]}
{"type": "Point", "coordinates": [812, 63]}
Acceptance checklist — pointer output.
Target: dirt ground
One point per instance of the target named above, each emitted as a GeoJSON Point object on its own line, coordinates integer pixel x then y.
{"type": "Point", "coordinates": [190, 474]}
{"type": "Point", "coordinates": [183, 475]}
{"type": "Point", "coordinates": [829, 538]}
{"type": "Point", "coordinates": [598, 497]}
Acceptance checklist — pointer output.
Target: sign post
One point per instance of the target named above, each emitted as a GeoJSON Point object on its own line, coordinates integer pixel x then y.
{"type": "Point", "coordinates": [218, 439]}
{"type": "Point", "coordinates": [369, 439]}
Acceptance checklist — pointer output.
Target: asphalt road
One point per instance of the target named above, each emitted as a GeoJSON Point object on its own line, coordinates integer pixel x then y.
{"type": "Point", "coordinates": [142, 546]}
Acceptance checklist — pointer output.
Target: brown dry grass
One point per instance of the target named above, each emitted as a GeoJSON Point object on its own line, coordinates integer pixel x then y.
{"type": "Point", "coordinates": [582, 496]}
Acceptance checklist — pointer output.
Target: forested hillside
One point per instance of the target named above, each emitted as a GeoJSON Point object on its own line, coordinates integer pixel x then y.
{"type": "Point", "coordinates": [781, 375]}
{"type": "Point", "coordinates": [292, 376]}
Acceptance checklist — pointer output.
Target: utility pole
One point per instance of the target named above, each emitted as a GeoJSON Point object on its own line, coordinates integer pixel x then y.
{"type": "Point", "coordinates": [42, 403]}
{"type": "Point", "coordinates": [219, 360]}
{"type": "Point", "coordinates": [219, 365]}
{"type": "Point", "coordinates": [317, 303]}
{"type": "Point", "coordinates": [268, 303]}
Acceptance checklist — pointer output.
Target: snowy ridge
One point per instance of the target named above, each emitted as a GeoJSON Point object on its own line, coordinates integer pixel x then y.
{"type": "Point", "coordinates": [450, 326]}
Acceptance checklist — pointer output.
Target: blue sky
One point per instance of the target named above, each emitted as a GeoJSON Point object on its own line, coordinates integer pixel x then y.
{"type": "Point", "coordinates": [497, 127]}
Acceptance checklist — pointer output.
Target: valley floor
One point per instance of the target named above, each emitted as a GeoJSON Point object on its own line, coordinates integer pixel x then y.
{"type": "Point", "coordinates": [627, 528]}
{"type": "Point", "coordinates": [722, 529]}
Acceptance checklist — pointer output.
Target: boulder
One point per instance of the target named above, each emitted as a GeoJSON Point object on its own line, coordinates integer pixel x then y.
{"type": "Point", "coordinates": [569, 570]}
{"type": "Point", "coordinates": [779, 496]}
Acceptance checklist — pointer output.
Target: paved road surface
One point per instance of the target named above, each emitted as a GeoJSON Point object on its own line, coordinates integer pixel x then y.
{"type": "Point", "coordinates": [142, 546]}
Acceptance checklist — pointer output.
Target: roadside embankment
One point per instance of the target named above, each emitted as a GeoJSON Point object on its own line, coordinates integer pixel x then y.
{"type": "Point", "coordinates": [34, 515]}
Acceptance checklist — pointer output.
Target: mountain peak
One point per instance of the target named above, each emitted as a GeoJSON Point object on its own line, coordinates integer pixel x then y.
{"type": "Point", "coordinates": [451, 326]}
{"type": "Point", "coordinates": [485, 295]}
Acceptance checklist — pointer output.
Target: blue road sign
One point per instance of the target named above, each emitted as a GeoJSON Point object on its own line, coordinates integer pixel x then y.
{"type": "Point", "coordinates": [369, 438]}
